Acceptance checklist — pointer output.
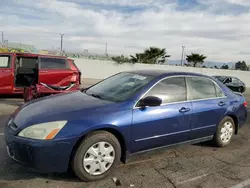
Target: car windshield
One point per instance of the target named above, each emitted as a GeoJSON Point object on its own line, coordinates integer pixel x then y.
{"type": "Point", "coordinates": [220, 78]}
{"type": "Point", "coordinates": [119, 87]}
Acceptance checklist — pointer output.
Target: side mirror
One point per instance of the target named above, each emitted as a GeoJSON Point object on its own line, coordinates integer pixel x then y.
{"type": "Point", "coordinates": [150, 101]}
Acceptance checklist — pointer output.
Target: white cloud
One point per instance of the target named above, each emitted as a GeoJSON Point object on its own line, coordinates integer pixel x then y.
{"type": "Point", "coordinates": [240, 2]}
{"type": "Point", "coordinates": [220, 36]}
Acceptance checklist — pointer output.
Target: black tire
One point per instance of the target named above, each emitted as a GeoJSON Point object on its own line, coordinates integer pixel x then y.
{"type": "Point", "coordinates": [217, 137]}
{"type": "Point", "coordinates": [89, 141]}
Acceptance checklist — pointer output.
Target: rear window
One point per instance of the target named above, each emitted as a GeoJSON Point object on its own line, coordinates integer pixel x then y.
{"type": "Point", "coordinates": [4, 61]}
{"type": "Point", "coordinates": [220, 78]}
{"type": "Point", "coordinates": [53, 63]}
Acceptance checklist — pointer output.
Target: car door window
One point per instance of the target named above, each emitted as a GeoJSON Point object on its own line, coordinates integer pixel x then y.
{"type": "Point", "coordinates": [53, 63]}
{"type": "Point", "coordinates": [170, 90]}
{"type": "Point", "coordinates": [203, 88]}
{"type": "Point", "coordinates": [219, 92]}
{"type": "Point", "coordinates": [4, 62]}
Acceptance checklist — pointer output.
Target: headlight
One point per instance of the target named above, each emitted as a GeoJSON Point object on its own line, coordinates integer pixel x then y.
{"type": "Point", "coordinates": [43, 131]}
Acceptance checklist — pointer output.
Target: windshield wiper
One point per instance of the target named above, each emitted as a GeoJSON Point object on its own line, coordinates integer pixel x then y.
{"type": "Point", "coordinates": [96, 96]}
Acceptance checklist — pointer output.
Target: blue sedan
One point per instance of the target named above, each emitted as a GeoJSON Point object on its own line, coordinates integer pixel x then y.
{"type": "Point", "coordinates": [91, 130]}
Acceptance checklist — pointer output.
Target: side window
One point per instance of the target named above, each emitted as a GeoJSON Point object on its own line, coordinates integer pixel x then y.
{"type": "Point", "coordinates": [4, 62]}
{"type": "Point", "coordinates": [235, 81]}
{"type": "Point", "coordinates": [26, 62]}
{"type": "Point", "coordinates": [203, 88]}
{"type": "Point", "coordinates": [170, 90]}
{"type": "Point", "coordinates": [53, 63]}
{"type": "Point", "coordinates": [219, 92]}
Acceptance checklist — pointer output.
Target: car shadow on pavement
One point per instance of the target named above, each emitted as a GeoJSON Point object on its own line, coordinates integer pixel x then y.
{"type": "Point", "coordinates": [11, 171]}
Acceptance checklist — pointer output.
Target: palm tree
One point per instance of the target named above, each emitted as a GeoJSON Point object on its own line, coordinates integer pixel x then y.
{"type": "Point", "coordinates": [195, 59]}
{"type": "Point", "coordinates": [136, 58]}
{"type": "Point", "coordinates": [152, 55]}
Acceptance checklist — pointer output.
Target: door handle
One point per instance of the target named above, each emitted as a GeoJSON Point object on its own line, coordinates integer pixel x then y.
{"type": "Point", "coordinates": [221, 103]}
{"type": "Point", "coordinates": [183, 110]}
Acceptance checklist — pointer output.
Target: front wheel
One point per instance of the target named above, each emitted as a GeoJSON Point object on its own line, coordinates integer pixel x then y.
{"type": "Point", "coordinates": [97, 156]}
{"type": "Point", "coordinates": [224, 132]}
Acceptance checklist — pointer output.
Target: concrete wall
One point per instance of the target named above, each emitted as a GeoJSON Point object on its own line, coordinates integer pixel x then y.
{"type": "Point", "coordinates": [96, 69]}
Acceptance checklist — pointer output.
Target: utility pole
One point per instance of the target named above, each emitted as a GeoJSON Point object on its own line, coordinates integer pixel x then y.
{"type": "Point", "coordinates": [5, 43]}
{"type": "Point", "coordinates": [183, 47]}
{"type": "Point", "coordinates": [61, 41]}
{"type": "Point", "coordinates": [106, 48]}
{"type": "Point", "coordinates": [2, 37]}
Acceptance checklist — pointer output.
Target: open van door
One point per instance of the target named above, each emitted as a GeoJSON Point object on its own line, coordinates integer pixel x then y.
{"type": "Point", "coordinates": [6, 74]}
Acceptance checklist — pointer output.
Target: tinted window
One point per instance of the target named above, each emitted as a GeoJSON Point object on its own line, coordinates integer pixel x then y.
{"type": "Point", "coordinates": [203, 88]}
{"type": "Point", "coordinates": [4, 61]}
{"type": "Point", "coordinates": [26, 62]}
{"type": "Point", "coordinates": [170, 90]}
{"type": "Point", "coordinates": [53, 63]}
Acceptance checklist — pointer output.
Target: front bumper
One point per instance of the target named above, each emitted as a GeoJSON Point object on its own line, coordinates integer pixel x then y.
{"type": "Point", "coordinates": [40, 156]}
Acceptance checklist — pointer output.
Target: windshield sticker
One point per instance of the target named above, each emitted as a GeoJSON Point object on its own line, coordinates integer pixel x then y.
{"type": "Point", "coordinates": [139, 77]}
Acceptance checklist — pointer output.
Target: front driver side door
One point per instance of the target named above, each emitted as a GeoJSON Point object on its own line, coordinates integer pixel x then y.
{"type": "Point", "coordinates": [166, 124]}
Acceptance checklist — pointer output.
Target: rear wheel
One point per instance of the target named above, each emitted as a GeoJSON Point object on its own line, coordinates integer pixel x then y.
{"type": "Point", "coordinates": [97, 156]}
{"type": "Point", "coordinates": [224, 132]}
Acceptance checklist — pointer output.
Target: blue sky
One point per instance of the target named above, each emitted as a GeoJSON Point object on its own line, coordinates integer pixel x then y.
{"type": "Point", "coordinates": [219, 29]}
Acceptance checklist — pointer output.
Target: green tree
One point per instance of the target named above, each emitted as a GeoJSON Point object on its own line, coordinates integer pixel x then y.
{"type": "Point", "coordinates": [121, 59]}
{"type": "Point", "coordinates": [152, 55]}
{"type": "Point", "coordinates": [241, 65]}
{"type": "Point", "coordinates": [136, 59]}
{"type": "Point", "coordinates": [195, 59]}
{"type": "Point", "coordinates": [224, 66]}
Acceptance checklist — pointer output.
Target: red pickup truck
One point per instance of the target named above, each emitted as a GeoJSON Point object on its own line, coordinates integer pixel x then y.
{"type": "Point", "coordinates": [22, 70]}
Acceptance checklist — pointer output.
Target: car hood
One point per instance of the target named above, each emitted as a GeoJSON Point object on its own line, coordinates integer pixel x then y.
{"type": "Point", "coordinates": [57, 107]}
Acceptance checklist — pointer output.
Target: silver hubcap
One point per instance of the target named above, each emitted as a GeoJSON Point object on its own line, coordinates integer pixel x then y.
{"type": "Point", "coordinates": [99, 158]}
{"type": "Point", "coordinates": [226, 132]}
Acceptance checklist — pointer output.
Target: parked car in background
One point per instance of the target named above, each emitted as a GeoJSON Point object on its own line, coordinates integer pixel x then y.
{"type": "Point", "coordinates": [128, 113]}
{"type": "Point", "coordinates": [23, 70]}
{"type": "Point", "coordinates": [233, 83]}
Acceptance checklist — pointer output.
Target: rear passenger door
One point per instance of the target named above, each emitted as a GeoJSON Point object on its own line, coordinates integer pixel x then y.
{"type": "Point", "coordinates": [209, 105]}
{"type": "Point", "coordinates": [55, 71]}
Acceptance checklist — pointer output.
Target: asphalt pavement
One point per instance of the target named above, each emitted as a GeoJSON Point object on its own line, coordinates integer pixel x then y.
{"type": "Point", "coordinates": [188, 166]}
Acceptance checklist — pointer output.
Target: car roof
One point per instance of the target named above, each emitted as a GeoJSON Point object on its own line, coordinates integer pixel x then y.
{"type": "Point", "coordinates": [157, 73]}
{"type": "Point", "coordinates": [31, 54]}
{"type": "Point", "coordinates": [226, 76]}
